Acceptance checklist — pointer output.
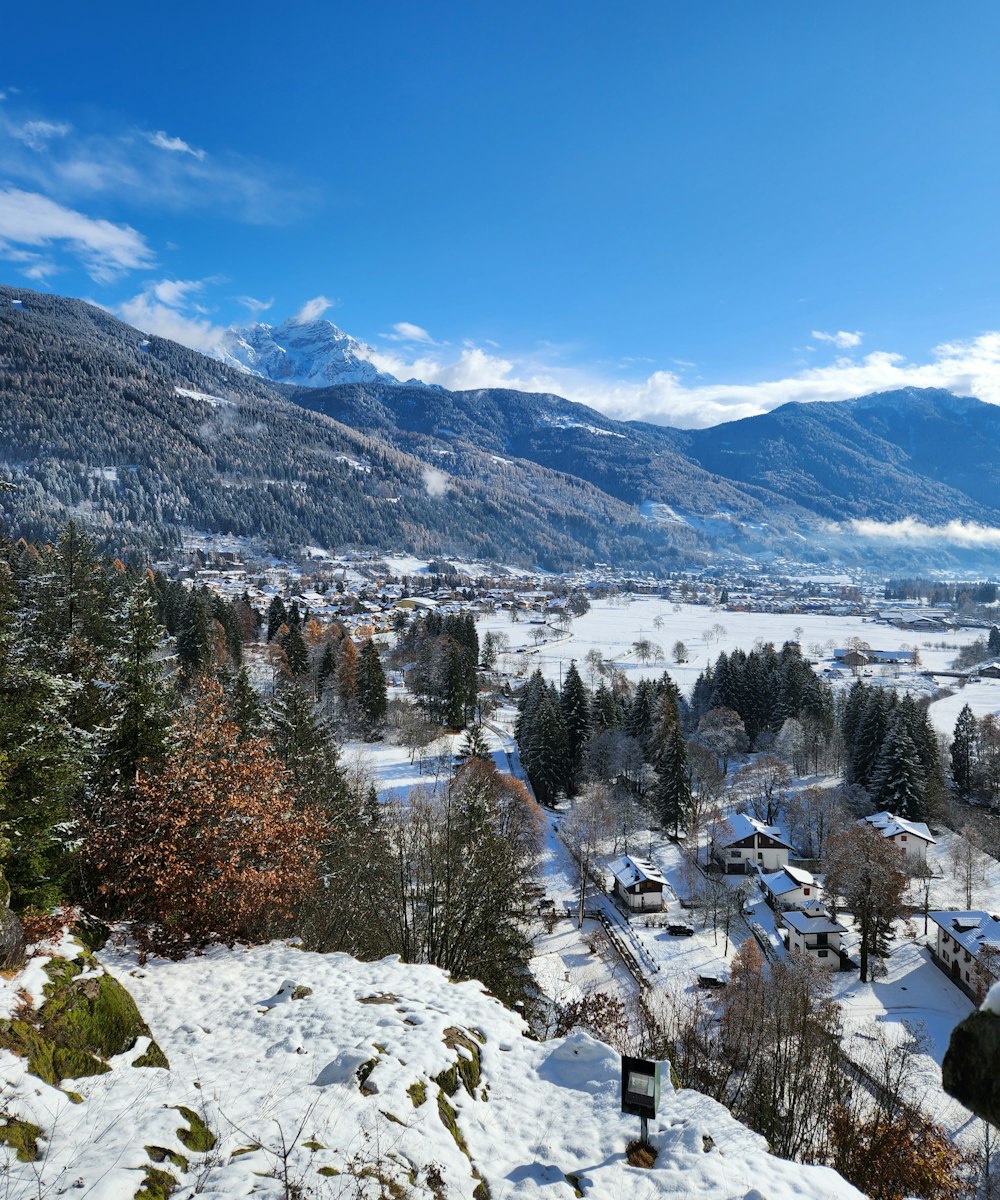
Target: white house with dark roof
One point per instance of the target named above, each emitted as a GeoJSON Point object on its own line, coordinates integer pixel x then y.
{"type": "Point", "coordinates": [912, 837]}
{"type": "Point", "coordinates": [638, 883]}
{"type": "Point", "coordinates": [745, 840]}
{"type": "Point", "coordinates": [790, 887]}
{"type": "Point", "coordinates": [815, 934]}
{"type": "Point", "coordinates": [967, 949]}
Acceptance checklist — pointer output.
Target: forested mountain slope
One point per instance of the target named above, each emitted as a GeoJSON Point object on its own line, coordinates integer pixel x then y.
{"type": "Point", "coordinates": [141, 438]}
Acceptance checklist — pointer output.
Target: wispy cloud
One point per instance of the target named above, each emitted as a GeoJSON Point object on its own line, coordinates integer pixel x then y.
{"type": "Point", "coordinates": [404, 331]}
{"type": "Point", "coordinates": [105, 250]}
{"type": "Point", "coordinates": [155, 170]}
{"type": "Point", "coordinates": [164, 308]}
{"type": "Point", "coordinates": [842, 339]}
{"type": "Point", "coordinates": [175, 145]}
{"type": "Point", "coordinates": [37, 134]}
{"type": "Point", "coordinates": [313, 309]}
{"type": "Point", "coordinates": [254, 305]}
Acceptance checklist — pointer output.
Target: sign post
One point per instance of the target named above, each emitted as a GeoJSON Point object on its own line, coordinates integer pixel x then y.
{"type": "Point", "coordinates": [641, 1091]}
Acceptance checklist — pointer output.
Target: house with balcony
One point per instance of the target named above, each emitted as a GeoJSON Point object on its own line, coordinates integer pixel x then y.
{"type": "Point", "coordinates": [745, 843]}
{"type": "Point", "coordinates": [967, 949]}
{"type": "Point", "coordinates": [814, 933]}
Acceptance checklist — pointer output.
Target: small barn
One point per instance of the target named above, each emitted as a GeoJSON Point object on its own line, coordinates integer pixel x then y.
{"type": "Point", "coordinates": [638, 884]}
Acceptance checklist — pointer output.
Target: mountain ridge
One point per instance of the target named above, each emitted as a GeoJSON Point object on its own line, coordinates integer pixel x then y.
{"type": "Point", "coordinates": [142, 439]}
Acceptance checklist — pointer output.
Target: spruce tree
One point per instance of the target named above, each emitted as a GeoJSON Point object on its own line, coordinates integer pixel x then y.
{"type": "Point", "coordinates": [575, 705]}
{"type": "Point", "coordinates": [276, 617]}
{"type": "Point", "coordinates": [963, 751]}
{"type": "Point", "coordinates": [135, 733]}
{"type": "Point", "coordinates": [245, 708]}
{"type": "Point", "coordinates": [371, 691]}
{"type": "Point", "coordinates": [673, 792]}
{"type": "Point", "coordinates": [898, 780]}
{"type": "Point", "coordinates": [993, 642]}
{"type": "Point", "coordinates": [474, 745]}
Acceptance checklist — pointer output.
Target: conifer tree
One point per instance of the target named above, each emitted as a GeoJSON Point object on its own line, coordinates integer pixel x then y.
{"type": "Point", "coordinates": [294, 647]}
{"type": "Point", "coordinates": [347, 674]}
{"type": "Point", "coordinates": [962, 752]}
{"type": "Point", "coordinates": [245, 708]}
{"type": "Point", "coordinates": [898, 781]}
{"type": "Point", "coordinates": [276, 617]}
{"type": "Point", "coordinates": [993, 642]}
{"type": "Point", "coordinates": [673, 792]}
{"type": "Point", "coordinates": [135, 734]}
{"type": "Point", "coordinates": [575, 705]}
{"type": "Point", "coordinates": [371, 686]}
{"type": "Point", "coordinates": [474, 745]}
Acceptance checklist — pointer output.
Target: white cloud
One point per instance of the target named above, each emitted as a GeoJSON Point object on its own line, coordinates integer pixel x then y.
{"type": "Point", "coordinates": [106, 250]}
{"type": "Point", "coordinates": [38, 134]}
{"type": "Point", "coordinates": [313, 309]}
{"type": "Point", "coordinates": [160, 308]}
{"type": "Point", "coordinates": [841, 339]}
{"type": "Point", "coordinates": [254, 305]}
{"type": "Point", "coordinates": [436, 482]}
{"type": "Point", "coordinates": [909, 529]}
{"type": "Point", "coordinates": [157, 170]}
{"type": "Point", "coordinates": [175, 292]}
{"type": "Point", "coordinates": [174, 144]}
{"type": "Point", "coordinates": [970, 368]}
{"type": "Point", "coordinates": [404, 331]}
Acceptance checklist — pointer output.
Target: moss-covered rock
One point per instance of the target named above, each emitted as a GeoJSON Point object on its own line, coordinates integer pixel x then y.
{"type": "Point", "coordinates": [158, 1186]}
{"type": "Point", "coordinates": [449, 1119]}
{"type": "Point", "coordinates": [22, 1137]}
{"type": "Point", "coordinates": [80, 1023]}
{"type": "Point", "coordinates": [197, 1137]}
{"type": "Point", "coordinates": [160, 1154]}
{"type": "Point", "coordinates": [417, 1093]}
{"type": "Point", "coordinates": [153, 1057]}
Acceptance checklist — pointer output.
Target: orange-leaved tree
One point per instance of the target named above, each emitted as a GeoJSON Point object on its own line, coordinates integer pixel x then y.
{"type": "Point", "coordinates": [215, 846]}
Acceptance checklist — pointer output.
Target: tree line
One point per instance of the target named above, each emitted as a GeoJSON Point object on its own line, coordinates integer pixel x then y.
{"type": "Point", "coordinates": [146, 777]}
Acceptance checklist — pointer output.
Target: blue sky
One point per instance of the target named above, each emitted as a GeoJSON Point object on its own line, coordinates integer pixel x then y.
{"type": "Point", "coordinates": [673, 210]}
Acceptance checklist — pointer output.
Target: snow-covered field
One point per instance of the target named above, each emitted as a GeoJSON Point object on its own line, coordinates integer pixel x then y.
{"type": "Point", "coordinates": [613, 626]}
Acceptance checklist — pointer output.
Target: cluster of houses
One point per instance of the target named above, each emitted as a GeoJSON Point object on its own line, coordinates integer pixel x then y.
{"type": "Point", "coordinates": [749, 846]}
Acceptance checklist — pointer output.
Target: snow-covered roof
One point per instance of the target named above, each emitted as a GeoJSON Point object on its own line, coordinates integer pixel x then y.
{"type": "Point", "coordinates": [743, 826]}
{"type": "Point", "coordinates": [629, 871]}
{"type": "Point", "coordinates": [972, 930]}
{"type": "Point", "coordinates": [891, 825]}
{"type": "Point", "coordinates": [807, 923]}
{"type": "Point", "coordinates": [787, 879]}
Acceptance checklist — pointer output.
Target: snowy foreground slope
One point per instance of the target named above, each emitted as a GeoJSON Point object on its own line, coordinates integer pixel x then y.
{"type": "Point", "coordinates": [321, 1094]}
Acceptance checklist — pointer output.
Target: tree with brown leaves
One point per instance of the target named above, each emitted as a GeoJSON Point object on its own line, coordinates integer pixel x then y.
{"type": "Point", "coordinates": [215, 846]}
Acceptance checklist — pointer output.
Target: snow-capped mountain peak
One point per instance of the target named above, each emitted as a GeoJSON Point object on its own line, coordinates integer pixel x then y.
{"type": "Point", "coordinates": [307, 353]}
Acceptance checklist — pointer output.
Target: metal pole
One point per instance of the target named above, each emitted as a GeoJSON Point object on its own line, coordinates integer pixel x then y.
{"type": "Point", "coordinates": [644, 1131]}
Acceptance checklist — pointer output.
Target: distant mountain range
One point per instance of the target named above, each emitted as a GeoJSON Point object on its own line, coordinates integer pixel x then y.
{"type": "Point", "coordinates": [290, 435]}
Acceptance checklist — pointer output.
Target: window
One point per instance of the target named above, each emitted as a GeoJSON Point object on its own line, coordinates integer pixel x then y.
{"type": "Point", "coordinates": [805, 891]}
{"type": "Point", "coordinates": [760, 854]}
{"type": "Point", "coordinates": [734, 853]}
{"type": "Point", "coordinates": [903, 838]}
{"type": "Point", "coordinates": [822, 953]}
